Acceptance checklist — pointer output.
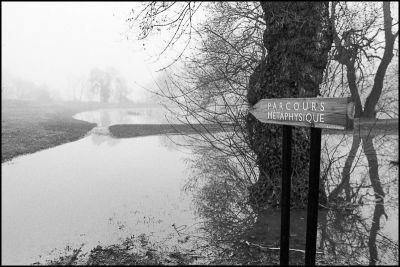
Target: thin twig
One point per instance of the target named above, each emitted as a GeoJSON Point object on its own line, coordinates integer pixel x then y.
{"type": "Point", "coordinates": [291, 249]}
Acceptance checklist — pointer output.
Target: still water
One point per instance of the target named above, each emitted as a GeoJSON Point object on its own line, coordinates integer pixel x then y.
{"type": "Point", "coordinates": [94, 189]}
{"type": "Point", "coordinates": [100, 190]}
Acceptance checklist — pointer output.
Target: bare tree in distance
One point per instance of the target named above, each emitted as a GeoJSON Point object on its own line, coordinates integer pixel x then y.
{"type": "Point", "coordinates": [100, 84]}
{"type": "Point", "coordinates": [108, 85]}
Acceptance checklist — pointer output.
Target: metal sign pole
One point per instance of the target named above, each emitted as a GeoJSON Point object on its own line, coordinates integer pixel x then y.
{"type": "Point", "coordinates": [285, 193]}
{"type": "Point", "coordinates": [313, 194]}
{"type": "Point", "coordinates": [317, 113]}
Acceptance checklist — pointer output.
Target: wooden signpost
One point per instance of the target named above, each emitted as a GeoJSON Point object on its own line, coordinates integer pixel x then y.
{"type": "Point", "coordinates": [316, 113]}
{"type": "Point", "coordinates": [331, 113]}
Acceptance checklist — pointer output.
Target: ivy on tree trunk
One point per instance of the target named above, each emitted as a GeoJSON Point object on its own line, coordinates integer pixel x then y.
{"type": "Point", "coordinates": [298, 37]}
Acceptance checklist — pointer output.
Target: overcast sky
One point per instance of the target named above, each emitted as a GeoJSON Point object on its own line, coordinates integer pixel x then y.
{"type": "Point", "coordinates": [50, 42]}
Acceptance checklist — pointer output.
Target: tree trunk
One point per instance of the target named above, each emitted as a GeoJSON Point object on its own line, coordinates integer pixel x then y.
{"type": "Point", "coordinates": [372, 99]}
{"type": "Point", "coordinates": [298, 37]}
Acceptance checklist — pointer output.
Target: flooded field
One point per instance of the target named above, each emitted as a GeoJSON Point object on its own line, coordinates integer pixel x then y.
{"type": "Point", "coordinates": [101, 190]}
{"type": "Point", "coordinates": [94, 189]}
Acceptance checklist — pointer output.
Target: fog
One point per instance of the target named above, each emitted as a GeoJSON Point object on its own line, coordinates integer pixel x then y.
{"type": "Point", "coordinates": [56, 45]}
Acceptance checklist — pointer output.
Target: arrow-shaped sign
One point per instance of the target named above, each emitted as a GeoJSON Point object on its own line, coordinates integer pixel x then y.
{"type": "Point", "coordinates": [330, 113]}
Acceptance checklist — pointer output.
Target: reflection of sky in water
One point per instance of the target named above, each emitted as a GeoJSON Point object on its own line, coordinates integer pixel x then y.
{"type": "Point", "coordinates": [97, 189]}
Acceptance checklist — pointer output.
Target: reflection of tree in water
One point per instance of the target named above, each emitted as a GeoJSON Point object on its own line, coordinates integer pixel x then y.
{"type": "Point", "coordinates": [98, 139]}
{"type": "Point", "coordinates": [219, 194]}
{"type": "Point", "coordinates": [104, 118]}
{"type": "Point", "coordinates": [349, 231]}
{"type": "Point", "coordinates": [172, 142]}
{"type": "Point", "coordinates": [348, 237]}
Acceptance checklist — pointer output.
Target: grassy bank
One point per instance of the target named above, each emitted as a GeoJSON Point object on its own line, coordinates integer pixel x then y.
{"type": "Point", "coordinates": [132, 251]}
{"type": "Point", "coordinates": [27, 126]}
{"type": "Point", "coordinates": [135, 130]}
{"type": "Point", "coordinates": [140, 251]}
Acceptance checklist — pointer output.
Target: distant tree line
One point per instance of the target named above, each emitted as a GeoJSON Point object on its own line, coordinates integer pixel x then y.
{"type": "Point", "coordinates": [105, 86]}
{"type": "Point", "coordinates": [108, 85]}
{"type": "Point", "coordinates": [13, 87]}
